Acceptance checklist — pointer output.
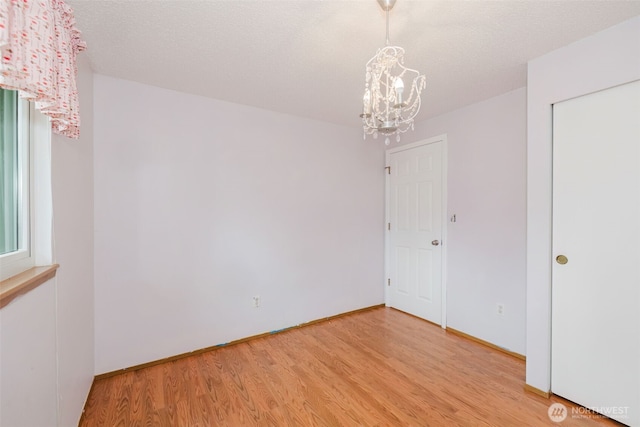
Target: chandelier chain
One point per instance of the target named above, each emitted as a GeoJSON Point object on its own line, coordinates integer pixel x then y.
{"type": "Point", "coordinates": [388, 43]}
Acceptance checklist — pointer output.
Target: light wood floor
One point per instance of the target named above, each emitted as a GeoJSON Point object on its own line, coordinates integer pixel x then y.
{"type": "Point", "coordinates": [375, 368]}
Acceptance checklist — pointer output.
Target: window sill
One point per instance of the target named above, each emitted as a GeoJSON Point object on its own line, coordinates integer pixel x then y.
{"type": "Point", "coordinates": [24, 282]}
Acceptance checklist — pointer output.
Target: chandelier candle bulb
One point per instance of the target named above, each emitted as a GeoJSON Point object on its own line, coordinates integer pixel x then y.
{"type": "Point", "coordinates": [366, 101]}
{"type": "Point", "coordinates": [399, 87]}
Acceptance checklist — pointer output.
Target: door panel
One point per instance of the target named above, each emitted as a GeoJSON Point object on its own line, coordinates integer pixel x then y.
{"type": "Point", "coordinates": [415, 214]}
{"type": "Point", "coordinates": [596, 225]}
{"type": "Point", "coordinates": [425, 275]}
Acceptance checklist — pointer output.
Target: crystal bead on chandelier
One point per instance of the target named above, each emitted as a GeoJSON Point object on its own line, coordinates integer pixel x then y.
{"type": "Point", "coordinates": [385, 108]}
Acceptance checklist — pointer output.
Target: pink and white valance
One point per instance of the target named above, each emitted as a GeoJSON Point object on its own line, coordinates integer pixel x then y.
{"type": "Point", "coordinates": [39, 43]}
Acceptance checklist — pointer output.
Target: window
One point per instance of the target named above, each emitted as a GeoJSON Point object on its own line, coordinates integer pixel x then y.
{"type": "Point", "coordinates": [16, 238]}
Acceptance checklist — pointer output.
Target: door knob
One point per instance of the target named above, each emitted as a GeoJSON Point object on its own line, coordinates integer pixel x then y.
{"type": "Point", "coordinates": [562, 260]}
{"type": "Point", "coordinates": [435, 242]}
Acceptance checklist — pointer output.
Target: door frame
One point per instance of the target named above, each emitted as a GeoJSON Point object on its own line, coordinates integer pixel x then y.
{"type": "Point", "coordinates": [552, 78]}
{"type": "Point", "coordinates": [565, 146]}
{"type": "Point", "coordinates": [444, 221]}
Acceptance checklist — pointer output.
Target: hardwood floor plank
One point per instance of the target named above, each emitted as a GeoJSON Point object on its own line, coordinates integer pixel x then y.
{"type": "Point", "coordinates": [155, 389]}
{"type": "Point", "coordinates": [375, 368]}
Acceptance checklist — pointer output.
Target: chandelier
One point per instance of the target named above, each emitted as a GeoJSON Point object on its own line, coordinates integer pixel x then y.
{"type": "Point", "coordinates": [386, 108]}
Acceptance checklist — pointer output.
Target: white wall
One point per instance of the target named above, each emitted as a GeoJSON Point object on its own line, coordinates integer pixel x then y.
{"type": "Point", "coordinates": [606, 59]}
{"type": "Point", "coordinates": [72, 185]}
{"type": "Point", "coordinates": [46, 336]}
{"type": "Point", "coordinates": [28, 383]}
{"type": "Point", "coordinates": [201, 204]}
{"type": "Point", "coordinates": [487, 192]}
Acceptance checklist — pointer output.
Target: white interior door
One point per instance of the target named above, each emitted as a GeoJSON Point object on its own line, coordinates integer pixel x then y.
{"type": "Point", "coordinates": [596, 226]}
{"type": "Point", "coordinates": [415, 231]}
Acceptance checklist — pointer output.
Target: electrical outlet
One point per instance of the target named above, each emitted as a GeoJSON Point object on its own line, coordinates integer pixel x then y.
{"type": "Point", "coordinates": [500, 309]}
{"type": "Point", "coordinates": [256, 301]}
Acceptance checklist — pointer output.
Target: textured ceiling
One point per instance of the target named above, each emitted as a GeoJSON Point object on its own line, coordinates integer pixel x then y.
{"type": "Point", "coordinates": [307, 57]}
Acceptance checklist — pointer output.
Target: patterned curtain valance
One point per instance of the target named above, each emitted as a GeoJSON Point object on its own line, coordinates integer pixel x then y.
{"type": "Point", "coordinates": [39, 43]}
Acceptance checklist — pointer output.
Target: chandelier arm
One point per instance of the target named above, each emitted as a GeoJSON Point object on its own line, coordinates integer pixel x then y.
{"type": "Point", "coordinates": [388, 93]}
{"type": "Point", "coordinates": [414, 90]}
